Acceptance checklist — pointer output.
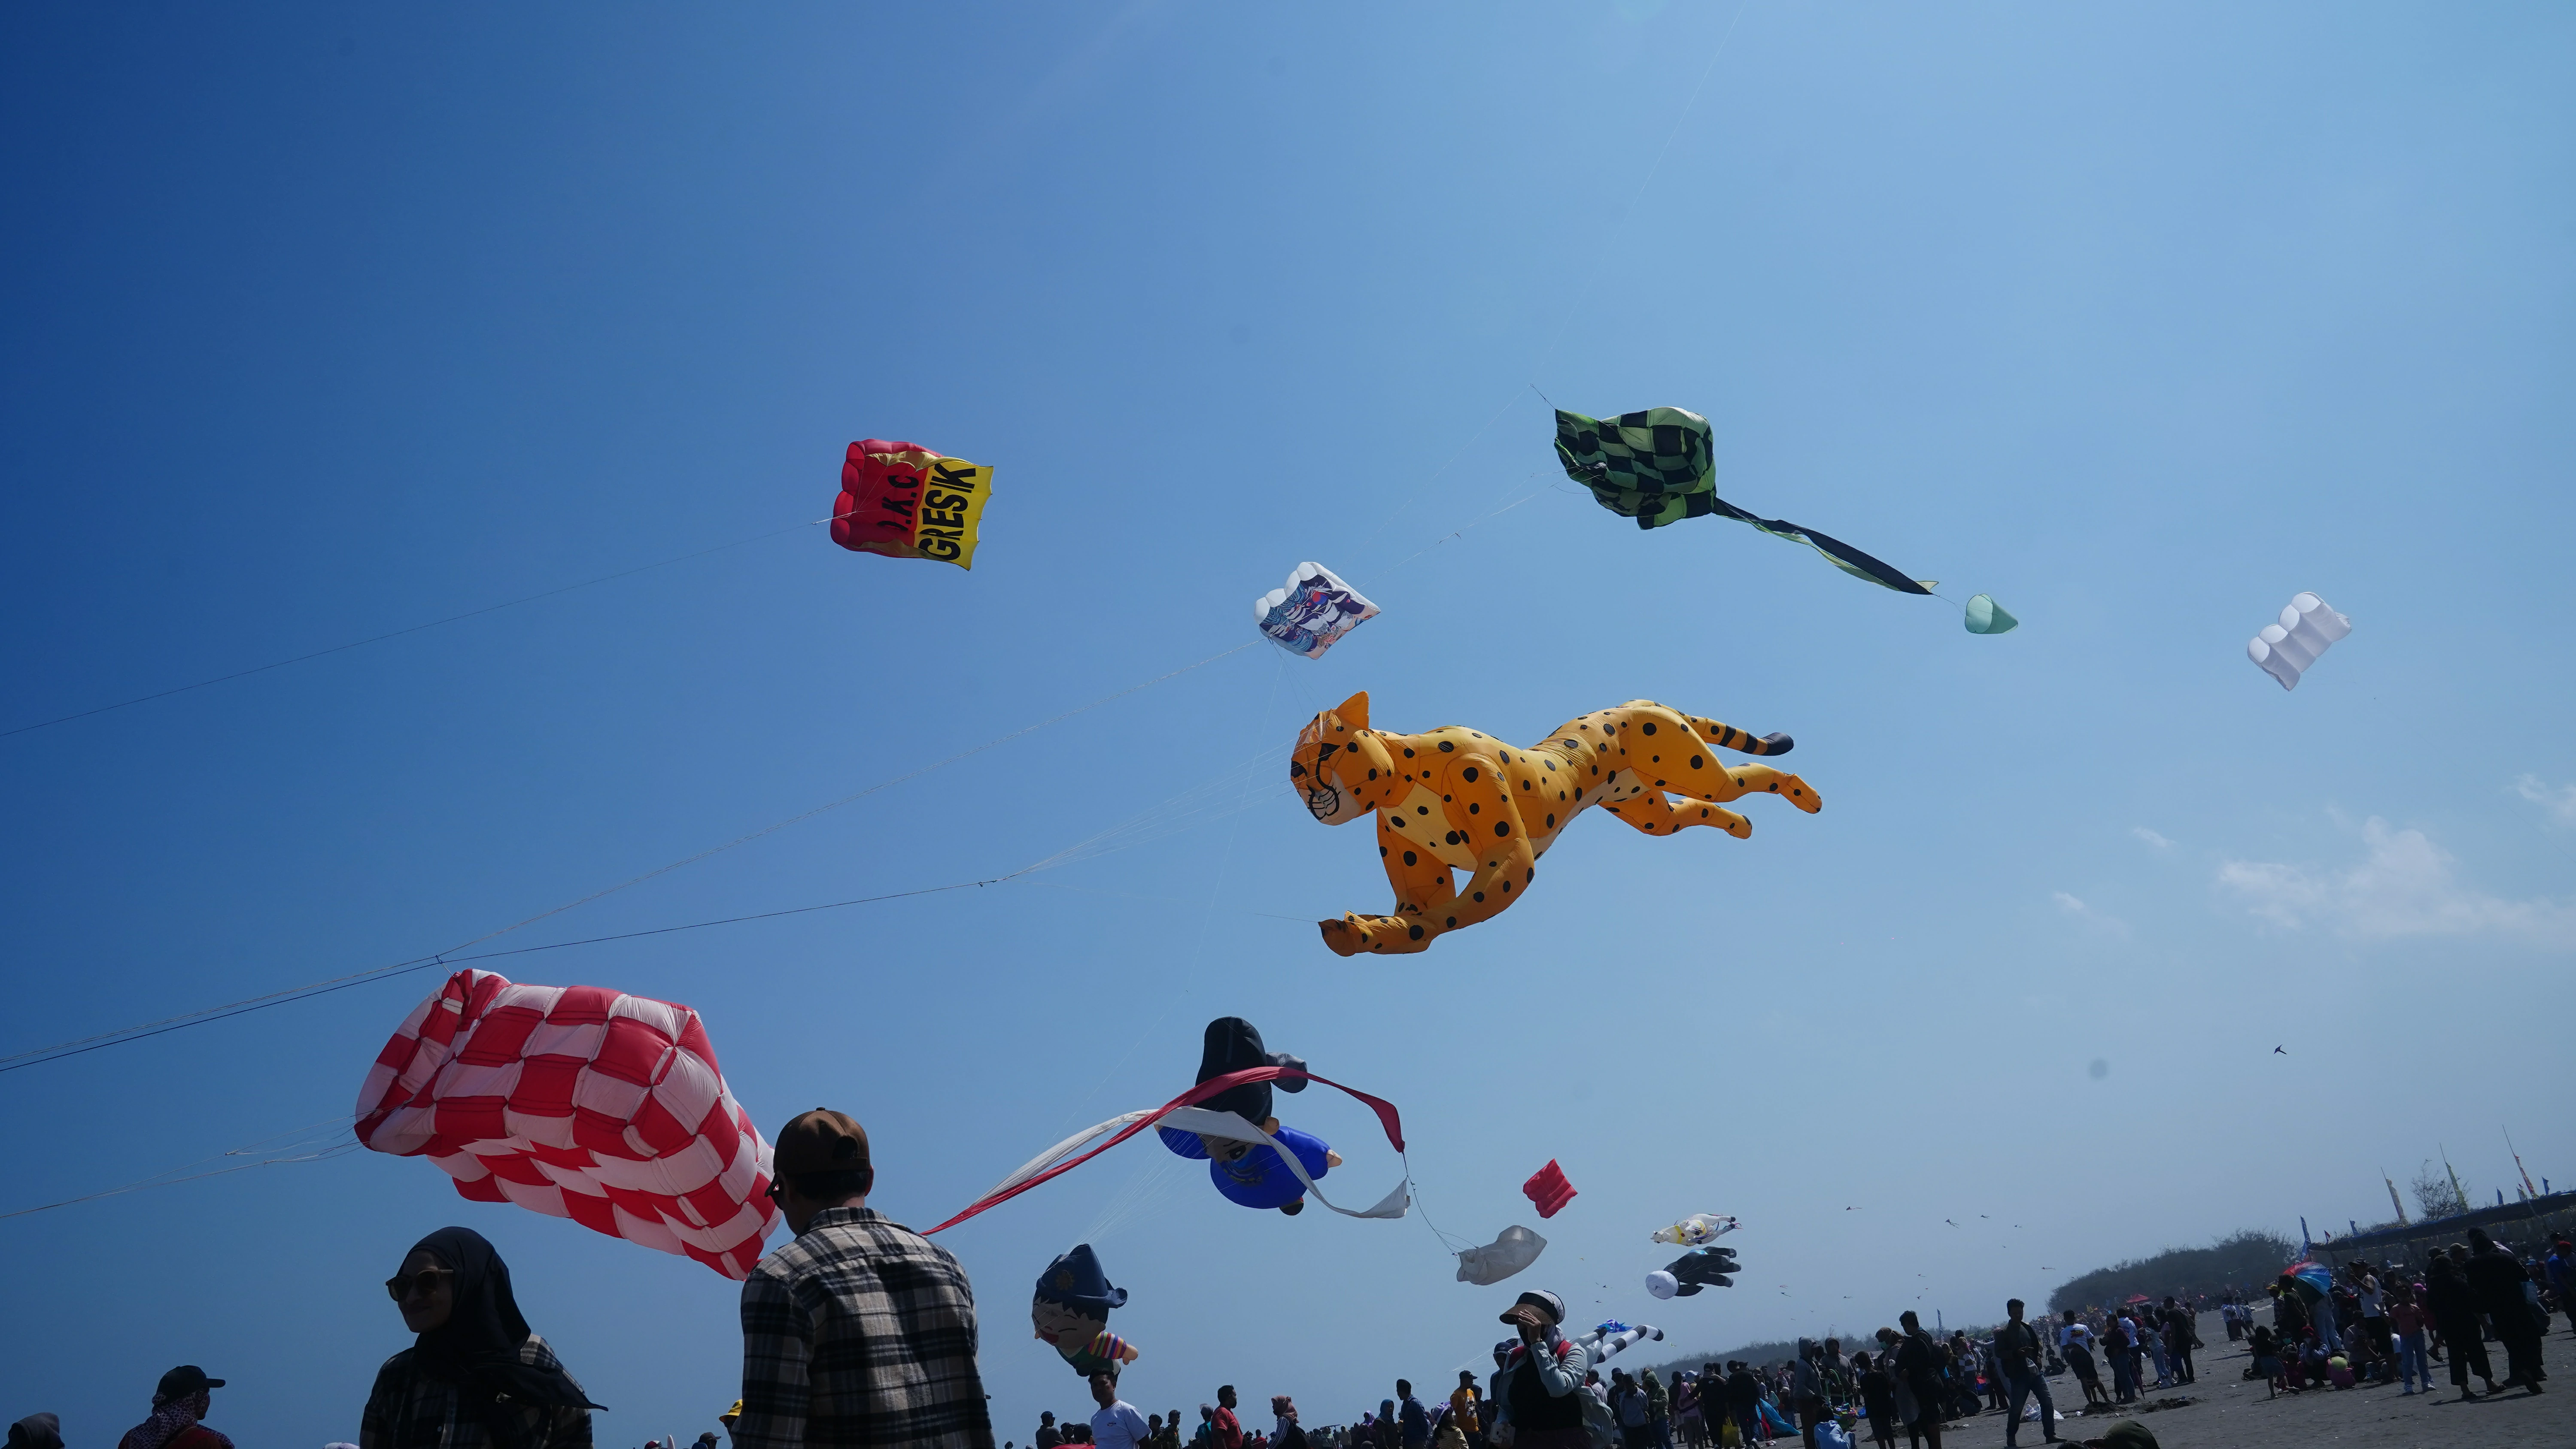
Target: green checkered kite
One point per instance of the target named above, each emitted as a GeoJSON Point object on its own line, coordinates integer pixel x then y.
{"type": "Point", "coordinates": [1657, 468]}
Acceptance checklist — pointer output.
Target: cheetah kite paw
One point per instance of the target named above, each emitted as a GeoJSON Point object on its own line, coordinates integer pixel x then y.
{"type": "Point", "coordinates": [1355, 934]}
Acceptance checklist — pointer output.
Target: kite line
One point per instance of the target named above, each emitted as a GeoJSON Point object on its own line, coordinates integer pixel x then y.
{"type": "Point", "coordinates": [333, 1144]}
{"type": "Point", "coordinates": [412, 629]}
{"type": "Point", "coordinates": [1548, 352]}
{"type": "Point", "coordinates": [1182, 812]}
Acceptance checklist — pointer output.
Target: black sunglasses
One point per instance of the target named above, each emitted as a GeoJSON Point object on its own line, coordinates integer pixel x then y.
{"type": "Point", "coordinates": [399, 1286]}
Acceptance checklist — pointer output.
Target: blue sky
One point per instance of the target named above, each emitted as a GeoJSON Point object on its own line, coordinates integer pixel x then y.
{"type": "Point", "coordinates": [323, 322]}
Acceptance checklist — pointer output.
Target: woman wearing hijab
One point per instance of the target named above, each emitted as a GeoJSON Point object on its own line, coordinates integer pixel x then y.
{"type": "Point", "coordinates": [475, 1378]}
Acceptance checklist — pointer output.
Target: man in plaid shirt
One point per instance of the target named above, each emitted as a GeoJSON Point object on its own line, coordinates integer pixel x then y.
{"type": "Point", "coordinates": [860, 1332]}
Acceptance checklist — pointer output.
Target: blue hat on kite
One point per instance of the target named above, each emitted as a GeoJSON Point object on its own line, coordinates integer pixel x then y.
{"type": "Point", "coordinates": [1075, 1280]}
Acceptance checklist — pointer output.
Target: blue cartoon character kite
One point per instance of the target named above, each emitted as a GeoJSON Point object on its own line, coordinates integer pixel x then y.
{"type": "Point", "coordinates": [1247, 1172]}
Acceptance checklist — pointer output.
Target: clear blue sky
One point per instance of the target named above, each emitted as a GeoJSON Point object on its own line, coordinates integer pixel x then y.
{"type": "Point", "coordinates": [325, 321]}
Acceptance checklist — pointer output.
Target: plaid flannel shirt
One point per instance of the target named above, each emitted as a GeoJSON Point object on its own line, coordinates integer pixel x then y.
{"type": "Point", "coordinates": [860, 1332]}
{"type": "Point", "coordinates": [408, 1409]}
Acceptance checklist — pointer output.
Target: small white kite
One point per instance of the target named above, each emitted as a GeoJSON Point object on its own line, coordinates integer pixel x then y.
{"type": "Point", "coordinates": [1311, 612]}
{"type": "Point", "coordinates": [1698, 1230]}
{"type": "Point", "coordinates": [2286, 650]}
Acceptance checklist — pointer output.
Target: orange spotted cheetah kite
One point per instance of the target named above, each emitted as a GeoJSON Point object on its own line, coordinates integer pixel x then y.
{"type": "Point", "coordinates": [1456, 799]}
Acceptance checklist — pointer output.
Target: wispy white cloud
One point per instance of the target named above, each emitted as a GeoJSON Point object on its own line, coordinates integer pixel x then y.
{"type": "Point", "coordinates": [2076, 907]}
{"type": "Point", "coordinates": [2560, 803]}
{"type": "Point", "coordinates": [2151, 837]}
{"type": "Point", "coordinates": [2405, 885]}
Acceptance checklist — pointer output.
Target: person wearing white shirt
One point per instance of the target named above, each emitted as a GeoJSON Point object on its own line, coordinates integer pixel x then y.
{"type": "Point", "coordinates": [1117, 1425]}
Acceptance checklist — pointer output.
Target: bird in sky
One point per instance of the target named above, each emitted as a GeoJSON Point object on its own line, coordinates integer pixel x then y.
{"type": "Point", "coordinates": [1954, 1222]}
{"type": "Point", "coordinates": [2276, 1051]}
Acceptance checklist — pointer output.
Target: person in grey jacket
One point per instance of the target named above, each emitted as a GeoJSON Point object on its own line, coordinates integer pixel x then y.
{"type": "Point", "coordinates": [1807, 1390]}
{"type": "Point", "coordinates": [1539, 1388]}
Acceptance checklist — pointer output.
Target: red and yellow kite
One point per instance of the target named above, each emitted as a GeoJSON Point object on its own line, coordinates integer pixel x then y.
{"type": "Point", "coordinates": [905, 501]}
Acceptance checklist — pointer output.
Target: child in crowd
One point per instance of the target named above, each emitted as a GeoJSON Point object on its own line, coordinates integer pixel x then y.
{"type": "Point", "coordinates": [2267, 1360]}
{"type": "Point", "coordinates": [1878, 1399]}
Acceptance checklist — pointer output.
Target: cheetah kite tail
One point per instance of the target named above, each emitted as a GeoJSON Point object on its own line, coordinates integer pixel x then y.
{"type": "Point", "coordinates": [1728, 737]}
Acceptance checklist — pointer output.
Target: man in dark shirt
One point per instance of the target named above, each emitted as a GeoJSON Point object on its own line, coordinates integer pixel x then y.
{"type": "Point", "coordinates": [1414, 1419]}
{"type": "Point", "coordinates": [1744, 1400]}
{"type": "Point", "coordinates": [2017, 1353]}
{"type": "Point", "coordinates": [2182, 1331]}
{"type": "Point", "coordinates": [1049, 1436]}
{"type": "Point", "coordinates": [2497, 1280]}
{"type": "Point", "coordinates": [1919, 1360]}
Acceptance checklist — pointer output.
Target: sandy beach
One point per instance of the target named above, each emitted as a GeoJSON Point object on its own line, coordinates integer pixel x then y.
{"type": "Point", "coordinates": [2230, 1412]}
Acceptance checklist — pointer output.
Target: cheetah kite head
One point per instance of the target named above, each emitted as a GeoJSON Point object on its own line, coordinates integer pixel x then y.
{"type": "Point", "coordinates": [1336, 761]}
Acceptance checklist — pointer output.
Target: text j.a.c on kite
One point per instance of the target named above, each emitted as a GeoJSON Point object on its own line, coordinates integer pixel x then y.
{"type": "Point", "coordinates": [904, 501]}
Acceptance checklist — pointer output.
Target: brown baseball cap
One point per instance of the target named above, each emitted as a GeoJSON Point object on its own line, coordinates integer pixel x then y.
{"type": "Point", "coordinates": [820, 1141]}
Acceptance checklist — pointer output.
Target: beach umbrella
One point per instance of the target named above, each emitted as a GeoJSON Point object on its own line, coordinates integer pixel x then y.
{"type": "Point", "coordinates": [2314, 1279]}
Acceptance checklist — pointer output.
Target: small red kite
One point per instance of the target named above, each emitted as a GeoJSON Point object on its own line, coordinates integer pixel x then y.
{"type": "Point", "coordinates": [1548, 1189]}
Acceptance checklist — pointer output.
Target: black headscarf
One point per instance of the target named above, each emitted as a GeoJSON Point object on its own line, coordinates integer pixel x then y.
{"type": "Point", "coordinates": [36, 1431]}
{"type": "Point", "coordinates": [477, 1348]}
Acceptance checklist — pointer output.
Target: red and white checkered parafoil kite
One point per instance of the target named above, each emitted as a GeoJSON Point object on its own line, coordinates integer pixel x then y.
{"type": "Point", "coordinates": [580, 1102]}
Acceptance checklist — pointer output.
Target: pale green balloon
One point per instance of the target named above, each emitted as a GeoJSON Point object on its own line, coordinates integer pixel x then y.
{"type": "Point", "coordinates": [1985, 616]}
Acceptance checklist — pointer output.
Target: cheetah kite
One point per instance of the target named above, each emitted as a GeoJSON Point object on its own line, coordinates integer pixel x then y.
{"type": "Point", "coordinates": [1456, 799]}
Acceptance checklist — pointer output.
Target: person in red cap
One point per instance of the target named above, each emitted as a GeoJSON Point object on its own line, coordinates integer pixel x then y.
{"type": "Point", "coordinates": [861, 1331]}
{"type": "Point", "coordinates": [182, 1399]}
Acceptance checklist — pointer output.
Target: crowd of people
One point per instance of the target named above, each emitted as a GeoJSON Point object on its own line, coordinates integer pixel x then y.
{"type": "Point", "coordinates": [1545, 1393]}
{"type": "Point", "coordinates": [860, 1332]}
{"type": "Point", "coordinates": [2375, 1323]}
{"type": "Point", "coordinates": [2379, 1323]}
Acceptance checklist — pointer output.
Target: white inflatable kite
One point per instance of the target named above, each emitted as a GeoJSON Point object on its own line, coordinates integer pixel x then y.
{"type": "Point", "coordinates": [1697, 1230]}
{"type": "Point", "coordinates": [1313, 610]}
{"type": "Point", "coordinates": [579, 1102]}
{"type": "Point", "coordinates": [1507, 1254]}
{"type": "Point", "coordinates": [2286, 650]}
